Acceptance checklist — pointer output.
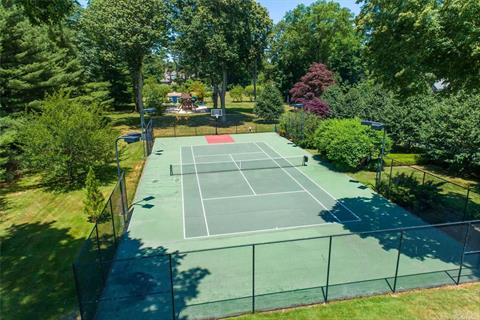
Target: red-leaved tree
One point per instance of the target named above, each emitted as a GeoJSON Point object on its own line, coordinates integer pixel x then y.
{"type": "Point", "coordinates": [311, 86]}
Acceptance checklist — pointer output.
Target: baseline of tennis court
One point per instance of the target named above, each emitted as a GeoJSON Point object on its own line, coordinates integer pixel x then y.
{"type": "Point", "coordinates": [249, 187]}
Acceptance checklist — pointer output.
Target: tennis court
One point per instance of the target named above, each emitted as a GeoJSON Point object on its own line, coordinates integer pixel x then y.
{"type": "Point", "coordinates": [219, 229]}
{"type": "Point", "coordinates": [249, 187]}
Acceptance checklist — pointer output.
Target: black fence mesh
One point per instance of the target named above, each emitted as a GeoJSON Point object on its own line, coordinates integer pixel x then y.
{"type": "Point", "coordinates": [92, 264]}
{"type": "Point", "coordinates": [429, 196]}
{"type": "Point", "coordinates": [204, 124]}
{"type": "Point", "coordinates": [227, 281]}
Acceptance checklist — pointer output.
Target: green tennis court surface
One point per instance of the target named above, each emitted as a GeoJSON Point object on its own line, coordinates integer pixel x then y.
{"type": "Point", "coordinates": [199, 208]}
{"type": "Point", "coordinates": [248, 187]}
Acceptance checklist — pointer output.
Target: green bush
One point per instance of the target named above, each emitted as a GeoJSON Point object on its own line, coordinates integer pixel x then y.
{"type": "Point", "coordinates": [299, 127]}
{"type": "Point", "coordinates": [249, 91]}
{"type": "Point", "coordinates": [236, 93]}
{"type": "Point", "coordinates": [406, 191]}
{"type": "Point", "coordinates": [347, 143]}
{"type": "Point", "coordinates": [65, 140]}
{"type": "Point", "coordinates": [94, 201]}
{"type": "Point", "coordinates": [269, 104]}
{"type": "Point", "coordinates": [197, 88]}
{"type": "Point", "coordinates": [155, 94]}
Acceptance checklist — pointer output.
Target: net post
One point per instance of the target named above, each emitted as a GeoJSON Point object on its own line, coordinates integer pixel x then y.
{"type": "Point", "coordinates": [465, 208]}
{"type": "Point", "coordinates": [328, 266]}
{"type": "Point", "coordinates": [465, 241]}
{"type": "Point", "coordinates": [398, 261]}
{"type": "Point", "coordinates": [171, 285]}
{"type": "Point", "coordinates": [171, 170]}
{"type": "Point", "coordinates": [253, 278]}
{"type": "Point", "coordinates": [77, 289]}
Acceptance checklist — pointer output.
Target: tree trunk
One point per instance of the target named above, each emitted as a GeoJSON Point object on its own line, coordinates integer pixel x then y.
{"type": "Point", "coordinates": [215, 95]}
{"type": "Point", "coordinates": [223, 91]}
{"type": "Point", "coordinates": [255, 81]}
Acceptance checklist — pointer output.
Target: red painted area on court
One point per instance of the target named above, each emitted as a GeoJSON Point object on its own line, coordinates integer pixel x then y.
{"type": "Point", "coordinates": [219, 139]}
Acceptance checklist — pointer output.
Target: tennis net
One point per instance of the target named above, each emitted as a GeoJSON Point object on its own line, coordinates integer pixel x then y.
{"type": "Point", "coordinates": [208, 167]}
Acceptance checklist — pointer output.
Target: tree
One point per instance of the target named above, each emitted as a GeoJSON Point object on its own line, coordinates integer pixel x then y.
{"type": "Point", "coordinates": [212, 38]}
{"type": "Point", "coordinates": [411, 46]}
{"type": "Point", "coordinates": [322, 31]}
{"type": "Point", "coordinates": [8, 147]}
{"type": "Point", "coordinates": [94, 200]}
{"type": "Point", "coordinates": [317, 79]}
{"type": "Point", "coordinates": [269, 105]}
{"type": "Point", "coordinates": [347, 143]}
{"type": "Point", "coordinates": [236, 93]}
{"type": "Point", "coordinates": [34, 62]}
{"type": "Point", "coordinates": [155, 93]}
{"type": "Point", "coordinates": [65, 139]}
{"type": "Point", "coordinates": [128, 30]}
{"type": "Point", "coordinates": [197, 88]}
{"type": "Point", "coordinates": [317, 107]}
{"type": "Point", "coordinates": [451, 135]}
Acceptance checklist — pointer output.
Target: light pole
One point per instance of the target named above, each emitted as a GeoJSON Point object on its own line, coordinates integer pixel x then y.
{"type": "Point", "coordinates": [128, 138]}
{"type": "Point", "coordinates": [378, 126]}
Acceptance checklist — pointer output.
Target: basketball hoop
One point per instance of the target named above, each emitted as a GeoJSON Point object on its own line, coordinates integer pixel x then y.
{"type": "Point", "coordinates": [217, 113]}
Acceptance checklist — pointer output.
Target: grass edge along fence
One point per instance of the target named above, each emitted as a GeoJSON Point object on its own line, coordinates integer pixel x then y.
{"type": "Point", "coordinates": [457, 243]}
{"type": "Point", "coordinates": [421, 192]}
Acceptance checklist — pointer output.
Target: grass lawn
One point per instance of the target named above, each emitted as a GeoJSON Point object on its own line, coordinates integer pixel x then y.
{"type": "Point", "coordinates": [41, 231]}
{"type": "Point", "coordinates": [460, 303]}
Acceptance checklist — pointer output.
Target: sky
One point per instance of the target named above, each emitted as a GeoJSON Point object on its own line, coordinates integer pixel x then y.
{"type": "Point", "coordinates": [278, 8]}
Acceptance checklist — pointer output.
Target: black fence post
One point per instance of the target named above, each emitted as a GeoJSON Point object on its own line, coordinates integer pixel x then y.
{"type": "Point", "coordinates": [253, 278]}
{"type": "Point", "coordinates": [328, 267]}
{"type": "Point", "coordinates": [113, 220]}
{"type": "Point", "coordinates": [398, 261]}
{"type": "Point", "coordinates": [390, 177]}
{"type": "Point", "coordinates": [77, 288]}
{"type": "Point", "coordinates": [423, 179]}
{"type": "Point", "coordinates": [465, 241]}
{"type": "Point", "coordinates": [465, 208]}
{"type": "Point", "coordinates": [171, 286]}
{"type": "Point", "coordinates": [123, 197]}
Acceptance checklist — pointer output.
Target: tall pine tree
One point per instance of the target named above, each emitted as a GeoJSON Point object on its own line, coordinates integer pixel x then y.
{"type": "Point", "coordinates": [34, 61]}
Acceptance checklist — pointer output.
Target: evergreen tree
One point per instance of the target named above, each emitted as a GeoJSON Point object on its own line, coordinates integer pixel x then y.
{"type": "Point", "coordinates": [269, 105]}
{"type": "Point", "coordinates": [94, 200]}
{"type": "Point", "coordinates": [33, 62]}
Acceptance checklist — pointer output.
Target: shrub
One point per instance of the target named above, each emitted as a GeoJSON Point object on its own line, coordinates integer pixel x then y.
{"type": "Point", "coordinates": [66, 139]}
{"type": "Point", "coordinates": [236, 93]}
{"type": "Point", "coordinates": [197, 88]}
{"type": "Point", "coordinates": [347, 143]}
{"type": "Point", "coordinates": [155, 94]}
{"type": "Point", "coordinates": [316, 106]}
{"type": "Point", "coordinates": [94, 200]}
{"type": "Point", "coordinates": [317, 79]}
{"type": "Point", "coordinates": [269, 105]}
{"type": "Point", "coordinates": [249, 91]}
{"type": "Point", "coordinates": [299, 127]}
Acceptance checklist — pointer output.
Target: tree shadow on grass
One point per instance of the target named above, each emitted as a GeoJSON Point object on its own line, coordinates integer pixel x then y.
{"type": "Point", "coordinates": [36, 271]}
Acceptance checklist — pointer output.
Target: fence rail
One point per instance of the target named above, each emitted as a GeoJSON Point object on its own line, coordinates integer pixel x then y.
{"type": "Point", "coordinates": [253, 277]}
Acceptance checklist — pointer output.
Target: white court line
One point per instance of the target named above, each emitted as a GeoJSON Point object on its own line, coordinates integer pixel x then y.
{"type": "Point", "coordinates": [200, 191]}
{"type": "Point", "coordinates": [311, 195]}
{"type": "Point", "coordinates": [267, 230]}
{"type": "Point", "coordinates": [246, 160]}
{"type": "Point", "coordinates": [359, 219]}
{"type": "Point", "coordinates": [183, 198]}
{"type": "Point", "coordinates": [253, 195]}
{"type": "Point", "coordinates": [226, 154]}
{"type": "Point", "coordinates": [243, 175]}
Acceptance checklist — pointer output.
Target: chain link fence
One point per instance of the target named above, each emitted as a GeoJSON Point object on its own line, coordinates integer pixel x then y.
{"type": "Point", "coordinates": [429, 196]}
{"type": "Point", "coordinates": [204, 124]}
{"type": "Point", "coordinates": [93, 262]}
{"type": "Point", "coordinates": [220, 282]}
